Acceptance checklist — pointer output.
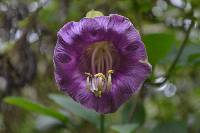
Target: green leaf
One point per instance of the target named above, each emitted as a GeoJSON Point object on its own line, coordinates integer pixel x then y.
{"type": "Point", "coordinates": [75, 108]}
{"type": "Point", "coordinates": [139, 114]}
{"type": "Point", "coordinates": [189, 57]}
{"type": "Point", "coordinates": [136, 117]}
{"type": "Point", "coordinates": [194, 58]}
{"type": "Point", "coordinates": [125, 128]}
{"type": "Point", "coordinates": [35, 107]}
{"type": "Point", "coordinates": [171, 127]}
{"type": "Point", "coordinates": [43, 123]}
{"type": "Point", "coordinates": [158, 45]}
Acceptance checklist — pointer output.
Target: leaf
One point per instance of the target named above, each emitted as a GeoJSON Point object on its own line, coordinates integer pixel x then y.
{"type": "Point", "coordinates": [138, 116]}
{"type": "Point", "coordinates": [194, 58]}
{"type": "Point", "coordinates": [35, 107]}
{"type": "Point", "coordinates": [189, 57]}
{"type": "Point", "coordinates": [158, 45]}
{"type": "Point", "coordinates": [47, 123]}
{"type": "Point", "coordinates": [75, 108]}
{"type": "Point", "coordinates": [125, 128]}
{"type": "Point", "coordinates": [171, 127]}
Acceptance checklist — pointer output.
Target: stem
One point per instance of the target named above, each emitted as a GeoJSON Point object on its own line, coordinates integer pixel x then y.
{"type": "Point", "coordinates": [180, 50]}
{"type": "Point", "coordinates": [102, 129]}
{"type": "Point", "coordinates": [173, 65]}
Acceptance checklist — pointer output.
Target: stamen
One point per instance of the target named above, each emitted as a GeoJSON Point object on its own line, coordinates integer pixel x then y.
{"type": "Point", "coordinates": [110, 71]}
{"type": "Point", "coordinates": [93, 59]}
{"type": "Point", "coordinates": [100, 79]}
{"type": "Point", "coordinates": [99, 65]}
{"type": "Point", "coordinates": [110, 59]}
{"type": "Point", "coordinates": [88, 81]}
{"type": "Point", "coordinates": [94, 86]}
{"type": "Point", "coordinates": [102, 64]}
{"type": "Point", "coordinates": [98, 83]}
{"type": "Point", "coordinates": [109, 81]}
{"type": "Point", "coordinates": [107, 62]}
{"type": "Point", "coordinates": [88, 74]}
{"type": "Point", "coordinates": [99, 93]}
{"type": "Point", "coordinates": [101, 75]}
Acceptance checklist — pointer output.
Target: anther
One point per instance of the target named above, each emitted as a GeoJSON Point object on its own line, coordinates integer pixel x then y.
{"type": "Point", "coordinates": [88, 74]}
{"type": "Point", "coordinates": [100, 75]}
{"type": "Point", "coordinates": [99, 82]}
{"type": "Point", "coordinates": [109, 80]}
{"type": "Point", "coordinates": [88, 81]}
{"type": "Point", "coordinates": [110, 71]}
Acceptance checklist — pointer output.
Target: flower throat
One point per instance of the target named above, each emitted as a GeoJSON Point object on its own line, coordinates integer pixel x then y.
{"type": "Point", "coordinates": [99, 79]}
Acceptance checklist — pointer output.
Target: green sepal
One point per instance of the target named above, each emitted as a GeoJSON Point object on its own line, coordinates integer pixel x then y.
{"type": "Point", "coordinates": [93, 13]}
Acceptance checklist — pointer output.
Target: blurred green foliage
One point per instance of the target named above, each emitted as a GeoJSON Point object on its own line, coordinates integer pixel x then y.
{"type": "Point", "coordinates": [36, 107]}
{"type": "Point", "coordinates": [160, 43]}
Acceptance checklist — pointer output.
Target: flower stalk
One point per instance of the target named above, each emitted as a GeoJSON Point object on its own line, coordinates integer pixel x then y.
{"type": "Point", "coordinates": [102, 125]}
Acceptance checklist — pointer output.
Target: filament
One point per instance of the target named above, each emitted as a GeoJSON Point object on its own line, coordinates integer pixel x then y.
{"type": "Point", "coordinates": [93, 59]}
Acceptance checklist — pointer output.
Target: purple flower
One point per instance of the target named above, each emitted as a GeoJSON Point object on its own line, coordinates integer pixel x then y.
{"type": "Point", "coordinates": [100, 62]}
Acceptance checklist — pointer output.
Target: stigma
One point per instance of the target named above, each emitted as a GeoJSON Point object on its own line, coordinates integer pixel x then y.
{"type": "Point", "coordinates": [99, 83]}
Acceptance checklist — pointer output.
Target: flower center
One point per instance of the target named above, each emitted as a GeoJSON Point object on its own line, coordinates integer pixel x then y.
{"type": "Point", "coordinates": [99, 79]}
